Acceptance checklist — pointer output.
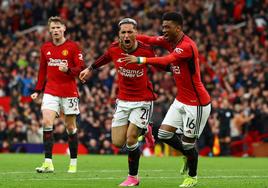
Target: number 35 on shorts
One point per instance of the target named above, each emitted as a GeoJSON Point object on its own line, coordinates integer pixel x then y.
{"type": "Point", "coordinates": [70, 105]}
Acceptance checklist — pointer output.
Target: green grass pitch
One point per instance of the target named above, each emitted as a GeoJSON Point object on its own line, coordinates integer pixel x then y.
{"type": "Point", "coordinates": [18, 171]}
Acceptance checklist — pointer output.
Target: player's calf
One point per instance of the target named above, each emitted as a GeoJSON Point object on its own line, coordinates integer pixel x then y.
{"type": "Point", "coordinates": [192, 157]}
{"type": "Point", "coordinates": [133, 158]}
{"type": "Point", "coordinates": [133, 165]}
{"type": "Point", "coordinates": [73, 147]}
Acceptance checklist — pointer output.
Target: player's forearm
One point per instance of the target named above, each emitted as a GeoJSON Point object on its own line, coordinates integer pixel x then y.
{"type": "Point", "coordinates": [144, 38]}
{"type": "Point", "coordinates": [91, 67]}
{"type": "Point", "coordinates": [40, 82]}
{"type": "Point", "coordinates": [102, 60]}
{"type": "Point", "coordinates": [41, 78]}
{"type": "Point", "coordinates": [39, 85]}
{"type": "Point", "coordinates": [166, 60]}
{"type": "Point", "coordinates": [152, 40]}
{"type": "Point", "coordinates": [74, 71]}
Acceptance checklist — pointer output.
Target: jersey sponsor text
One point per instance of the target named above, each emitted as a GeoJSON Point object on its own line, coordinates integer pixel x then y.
{"type": "Point", "coordinates": [57, 62]}
{"type": "Point", "coordinates": [130, 73]}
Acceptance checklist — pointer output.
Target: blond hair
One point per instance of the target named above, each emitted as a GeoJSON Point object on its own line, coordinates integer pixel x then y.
{"type": "Point", "coordinates": [55, 19]}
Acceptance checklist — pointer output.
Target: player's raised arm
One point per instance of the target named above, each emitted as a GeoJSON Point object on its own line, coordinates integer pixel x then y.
{"type": "Point", "coordinates": [183, 53]}
{"type": "Point", "coordinates": [102, 60]}
{"type": "Point", "coordinates": [153, 40]}
{"type": "Point", "coordinates": [165, 60]}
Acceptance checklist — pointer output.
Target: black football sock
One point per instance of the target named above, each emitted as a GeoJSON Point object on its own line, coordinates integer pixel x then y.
{"type": "Point", "coordinates": [192, 161]}
{"type": "Point", "coordinates": [171, 139]}
{"type": "Point", "coordinates": [133, 159]}
{"type": "Point", "coordinates": [48, 141]}
{"type": "Point", "coordinates": [73, 144]}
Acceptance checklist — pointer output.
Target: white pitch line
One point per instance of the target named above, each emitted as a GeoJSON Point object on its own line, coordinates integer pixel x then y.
{"type": "Point", "coordinates": [148, 170]}
{"type": "Point", "coordinates": [115, 178]}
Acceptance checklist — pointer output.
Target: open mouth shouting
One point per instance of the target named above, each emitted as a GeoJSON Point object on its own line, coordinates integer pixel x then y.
{"type": "Point", "coordinates": [127, 43]}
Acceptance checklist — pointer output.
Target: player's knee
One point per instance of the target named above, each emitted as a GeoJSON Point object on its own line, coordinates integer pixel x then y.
{"type": "Point", "coordinates": [47, 122]}
{"type": "Point", "coordinates": [131, 140]}
{"type": "Point", "coordinates": [118, 143]}
{"type": "Point", "coordinates": [132, 147]}
{"type": "Point", "coordinates": [164, 135]}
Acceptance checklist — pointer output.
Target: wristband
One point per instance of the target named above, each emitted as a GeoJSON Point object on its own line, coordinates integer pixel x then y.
{"type": "Point", "coordinates": [141, 60]}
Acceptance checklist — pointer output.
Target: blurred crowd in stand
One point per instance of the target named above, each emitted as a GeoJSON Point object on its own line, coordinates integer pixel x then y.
{"type": "Point", "coordinates": [232, 37]}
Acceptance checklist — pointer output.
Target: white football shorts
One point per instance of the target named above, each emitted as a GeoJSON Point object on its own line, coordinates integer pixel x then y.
{"type": "Point", "coordinates": [189, 120]}
{"type": "Point", "coordinates": [138, 113]}
{"type": "Point", "coordinates": [68, 105]}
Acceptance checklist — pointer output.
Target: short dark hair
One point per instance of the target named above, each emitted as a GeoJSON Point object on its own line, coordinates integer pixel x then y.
{"type": "Point", "coordinates": [173, 16]}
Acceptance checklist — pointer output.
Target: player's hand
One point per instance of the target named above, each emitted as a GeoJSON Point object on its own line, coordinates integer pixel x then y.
{"type": "Point", "coordinates": [34, 95]}
{"type": "Point", "coordinates": [63, 68]}
{"type": "Point", "coordinates": [84, 75]}
{"type": "Point", "coordinates": [129, 59]}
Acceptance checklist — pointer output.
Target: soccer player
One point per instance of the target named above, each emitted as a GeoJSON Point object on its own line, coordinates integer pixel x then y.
{"type": "Point", "coordinates": [135, 94]}
{"type": "Point", "coordinates": [191, 108]}
{"type": "Point", "coordinates": [60, 62]}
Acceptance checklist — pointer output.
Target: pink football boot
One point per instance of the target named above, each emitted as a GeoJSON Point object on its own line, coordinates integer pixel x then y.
{"type": "Point", "coordinates": [149, 139]}
{"type": "Point", "coordinates": [130, 181]}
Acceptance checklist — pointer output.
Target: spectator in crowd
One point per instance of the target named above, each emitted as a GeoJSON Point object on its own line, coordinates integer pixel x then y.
{"type": "Point", "coordinates": [225, 115]}
{"type": "Point", "coordinates": [34, 133]}
{"type": "Point", "coordinates": [106, 148]}
{"type": "Point", "coordinates": [93, 146]}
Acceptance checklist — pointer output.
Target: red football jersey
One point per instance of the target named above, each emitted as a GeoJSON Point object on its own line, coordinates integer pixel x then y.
{"type": "Point", "coordinates": [184, 61]}
{"type": "Point", "coordinates": [50, 78]}
{"type": "Point", "coordinates": [132, 79]}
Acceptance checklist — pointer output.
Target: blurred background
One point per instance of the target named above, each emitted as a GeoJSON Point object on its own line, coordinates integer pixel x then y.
{"type": "Point", "coordinates": [232, 40]}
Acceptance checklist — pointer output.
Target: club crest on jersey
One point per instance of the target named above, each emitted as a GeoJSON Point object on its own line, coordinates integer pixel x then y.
{"type": "Point", "coordinates": [178, 50]}
{"type": "Point", "coordinates": [64, 52]}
